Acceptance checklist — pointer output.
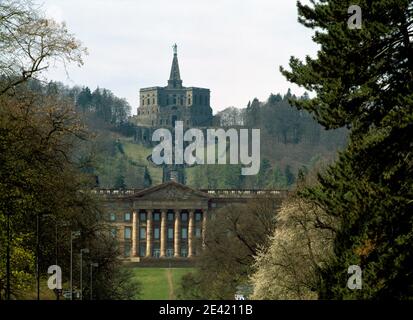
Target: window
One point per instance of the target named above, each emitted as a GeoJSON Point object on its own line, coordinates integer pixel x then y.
{"type": "Point", "coordinates": [156, 216]}
{"type": "Point", "coordinates": [184, 234]}
{"type": "Point", "coordinates": [149, 101]}
{"type": "Point", "coordinates": [184, 252]}
{"type": "Point", "coordinates": [198, 216]}
{"type": "Point", "coordinates": [127, 216]}
{"type": "Point", "coordinates": [142, 217]}
{"type": "Point", "coordinates": [127, 251]}
{"type": "Point", "coordinates": [184, 217]}
{"type": "Point", "coordinates": [156, 233]}
{"type": "Point", "coordinates": [198, 232]}
{"type": "Point", "coordinates": [128, 233]}
{"type": "Point", "coordinates": [112, 216]}
{"type": "Point", "coordinates": [142, 249]}
{"type": "Point", "coordinates": [114, 232]}
{"type": "Point", "coordinates": [170, 216]}
{"type": "Point", "coordinates": [156, 253]}
{"type": "Point", "coordinates": [189, 101]}
{"type": "Point", "coordinates": [170, 233]}
{"type": "Point", "coordinates": [142, 233]}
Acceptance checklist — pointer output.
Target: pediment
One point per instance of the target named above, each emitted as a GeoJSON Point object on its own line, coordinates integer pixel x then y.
{"type": "Point", "coordinates": [170, 191]}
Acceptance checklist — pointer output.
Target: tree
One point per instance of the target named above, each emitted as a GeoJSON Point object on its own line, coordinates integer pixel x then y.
{"type": "Point", "coordinates": [264, 175]}
{"type": "Point", "coordinates": [29, 43]}
{"type": "Point", "coordinates": [363, 79]}
{"type": "Point", "coordinates": [39, 176]}
{"type": "Point", "coordinates": [234, 235]}
{"type": "Point", "coordinates": [289, 176]}
{"type": "Point", "coordinates": [301, 243]}
{"type": "Point", "coordinates": [147, 180]}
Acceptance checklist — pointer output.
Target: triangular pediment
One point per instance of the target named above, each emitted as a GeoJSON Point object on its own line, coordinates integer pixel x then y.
{"type": "Point", "coordinates": [170, 191]}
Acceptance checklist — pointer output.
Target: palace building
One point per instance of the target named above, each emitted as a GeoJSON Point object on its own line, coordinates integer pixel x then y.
{"type": "Point", "coordinates": [168, 221]}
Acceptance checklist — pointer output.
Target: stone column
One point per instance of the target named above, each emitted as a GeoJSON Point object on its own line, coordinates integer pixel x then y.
{"type": "Point", "coordinates": [177, 230]}
{"type": "Point", "coordinates": [204, 224]}
{"type": "Point", "coordinates": [191, 234]}
{"type": "Point", "coordinates": [149, 233]}
{"type": "Point", "coordinates": [163, 234]}
{"type": "Point", "coordinates": [135, 234]}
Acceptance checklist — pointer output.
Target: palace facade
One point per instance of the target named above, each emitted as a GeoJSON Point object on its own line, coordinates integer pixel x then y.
{"type": "Point", "coordinates": [168, 221]}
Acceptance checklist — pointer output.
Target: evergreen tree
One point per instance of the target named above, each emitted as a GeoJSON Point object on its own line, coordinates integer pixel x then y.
{"type": "Point", "coordinates": [147, 180]}
{"type": "Point", "coordinates": [263, 175]}
{"type": "Point", "coordinates": [363, 79]}
{"type": "Point", "coordinates": [84, 99]}
{"type": "Point", "coordinates": [289, 176]}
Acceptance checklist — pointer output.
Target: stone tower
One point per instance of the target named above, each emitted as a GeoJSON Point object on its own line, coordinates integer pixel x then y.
{"type": "Point", "coordinates": [161, 107]}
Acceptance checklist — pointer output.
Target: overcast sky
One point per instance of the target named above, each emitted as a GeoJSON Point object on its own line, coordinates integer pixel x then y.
{"type": "Point", "coordinates": [233, 47]}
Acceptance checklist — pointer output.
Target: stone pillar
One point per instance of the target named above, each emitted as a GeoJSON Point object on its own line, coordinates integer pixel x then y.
{"type": "Point", "coordinates": [204, 224]}
{"type": "Point", "coordinates": [135, 234]}
{"type": "Point", "coordinates": [163, 234]}
{"type": "Point", "coordinates": [177, 230]}
{"type": "Point", "coordinates": [149, 233]}
{"type": "Point", "coordinates": [191, 234]}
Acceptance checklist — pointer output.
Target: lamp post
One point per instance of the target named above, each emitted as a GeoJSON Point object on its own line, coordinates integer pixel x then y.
{"type": "Point", "coordinates": [8, 273]}
{"type": "Point", "coordinates": [81, 270]}
{"type": "Point", "coordinates": [37, 255]}
{"type": "Point", "coordinates": [73, 235]}
{"type": "Point", "coordinates": [38, 221]}
{"type": "Point", "coordinates": [92, 265]}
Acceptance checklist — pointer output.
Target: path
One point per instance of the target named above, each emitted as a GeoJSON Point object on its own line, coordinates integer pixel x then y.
{"type": "Point", "coordinates": [170, 284]}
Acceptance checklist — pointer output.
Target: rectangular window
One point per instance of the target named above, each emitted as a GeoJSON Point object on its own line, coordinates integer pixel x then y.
{"type": "Point", "coordinates": [142, 249]}
{"type": "Point", "coordinates": [184, 217]}
{"type": "Point", "coordinates": [156, 217]}
{"type": "Point", "coordinates": [128, 233]}
{"type": "Point", "coordinates": [127, 250]}
{"type": "Point", "coordinates": [170, 233]}
{"type": "Point", "coordinates": [184, 233]}
{"type": "Point", "coordinates": [142, 217]}
{"type": "Point", "coordinates": [112, 217]}
{"type": "Point", "coordinates": [127, 216]}
{"type": "Point", "coordinates": [184, 252]}
{"type": "Point", "coordinates": [198, 232]}
{"type": "Point", "coordinates": [198, 216]}
{"type": "Point", "coordinates": [156, 233]}
{"type": "Point", "coordinates": [170, 216]}
{"type": "Point", "coordinates": [142, 233]}
{"type": "Point", "coordinates": [114, 232]}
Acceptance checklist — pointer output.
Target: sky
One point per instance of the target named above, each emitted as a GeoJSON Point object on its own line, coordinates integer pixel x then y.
{"type": "Point", "coordinates": [232, 47]}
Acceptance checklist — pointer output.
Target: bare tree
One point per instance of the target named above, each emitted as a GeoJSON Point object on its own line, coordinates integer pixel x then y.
{"type": "Point", "coordinates": [30, 43]}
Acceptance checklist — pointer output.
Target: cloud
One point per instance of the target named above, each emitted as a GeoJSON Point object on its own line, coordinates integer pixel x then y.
{"type": "Point", "coordinates": [233, 47]}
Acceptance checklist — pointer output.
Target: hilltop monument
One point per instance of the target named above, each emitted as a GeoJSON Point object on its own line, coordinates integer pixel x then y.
{"type": "Point", "coordinates": [161, 107]}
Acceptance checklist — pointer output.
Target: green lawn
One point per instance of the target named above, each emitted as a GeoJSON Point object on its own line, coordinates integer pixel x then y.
{"type": "Point", "coordinates": [155, 282]}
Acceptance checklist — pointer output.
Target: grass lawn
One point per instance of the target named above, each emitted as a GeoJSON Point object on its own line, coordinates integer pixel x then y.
{"type": "Point", "coordinates": [160, 283]}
